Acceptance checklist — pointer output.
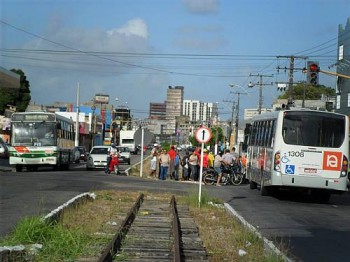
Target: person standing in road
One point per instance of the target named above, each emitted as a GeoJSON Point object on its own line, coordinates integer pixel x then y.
{"type": "Point", "coordinates": [205, 163]}
{"type": "Point", "coordinates": [155, 152]}
{"type": "Point", "coordinates": [198, 153]}
{"type": "Point", "coordinates": [154, 155]}
{"type": "Point", "coordinates": [211, 158]}
{"type": "Point", "coordinates": [164, 160]}
{"type": "Point", "coordinates": [218, 161]}
{"type": "Point", "coordinates": [193, 163]}
{"type": "Point", "coordinates": [177, 165]}
{"type": "Point", "coordinates": [111, 150]}
{"type": "Point", "coordinates": [185, 167]}
{"type": "Point", "coordinates": [172, 154]}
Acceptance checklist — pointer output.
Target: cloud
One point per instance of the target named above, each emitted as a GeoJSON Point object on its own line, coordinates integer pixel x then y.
{"type": "Point", "coordinates": [136, 27]}
{"type": "Point", "coordinates": [96, 58]}
{"type": "Point", "coordinates": [201, 6]}
{"type": "Point", "coordinates": [92, 49]}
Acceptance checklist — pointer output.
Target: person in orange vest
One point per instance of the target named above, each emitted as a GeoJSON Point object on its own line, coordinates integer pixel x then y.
{"type": "Point", "coordinates": [244, 161]}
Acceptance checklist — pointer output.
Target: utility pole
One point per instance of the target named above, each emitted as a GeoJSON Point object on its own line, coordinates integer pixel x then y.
{"type": "Point", "coordinates": [237, 115]}
{"type": "Point", "coordinates": [232, 118]}
{"type": "Point", "coordinates": [291, 76]}
{"type": "Point", "coordinates": [76, 143]}
{"type": "Point", "coordinates": [260, 88]}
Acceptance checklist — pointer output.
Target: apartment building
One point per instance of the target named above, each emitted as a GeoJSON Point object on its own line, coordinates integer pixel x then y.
{"type": "Point", "coordinates": [174, 103]}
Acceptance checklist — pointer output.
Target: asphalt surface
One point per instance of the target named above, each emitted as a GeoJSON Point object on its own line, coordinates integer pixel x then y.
{"type": "Point", "coordinates": [4, 165]}
{"type": "Point", "coordinates": [310, 231]}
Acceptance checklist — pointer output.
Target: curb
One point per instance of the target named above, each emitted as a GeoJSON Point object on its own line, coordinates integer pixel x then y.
{"type": "Point", "coordinates": [270, 245]}
{"type": "Point", "coordinates": [11, 253]}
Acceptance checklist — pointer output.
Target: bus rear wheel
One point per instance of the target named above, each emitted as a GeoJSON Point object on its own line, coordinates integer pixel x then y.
{"type": "Point", "coordinates": [19, 168]}
{"type": "Point", "coordinates": [263, 190]}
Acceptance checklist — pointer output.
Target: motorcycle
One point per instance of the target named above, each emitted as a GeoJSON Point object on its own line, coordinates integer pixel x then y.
{"type": "Point", "coordinates": [229, 176]}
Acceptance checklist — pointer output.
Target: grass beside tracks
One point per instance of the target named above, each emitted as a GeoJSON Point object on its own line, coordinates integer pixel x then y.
{"type": "Point", "coordinates": [83, 231]}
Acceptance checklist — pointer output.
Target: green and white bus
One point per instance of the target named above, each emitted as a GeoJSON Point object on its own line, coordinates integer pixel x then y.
{"type": "Point", "coordinates": [41, 139]}
{"type": "Point", "coordinates": [300, 149]}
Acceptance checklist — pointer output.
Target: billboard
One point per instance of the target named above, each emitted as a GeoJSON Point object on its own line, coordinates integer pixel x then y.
{"type": "Point", "coordinates": [101, 99]}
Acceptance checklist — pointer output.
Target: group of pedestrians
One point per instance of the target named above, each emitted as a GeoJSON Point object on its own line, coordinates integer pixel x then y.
{"type": "Point", "coordinates": [169, 162]}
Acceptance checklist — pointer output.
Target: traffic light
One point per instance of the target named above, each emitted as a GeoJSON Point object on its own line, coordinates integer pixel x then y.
{"type": "Point", "coordinates": [312, 72]}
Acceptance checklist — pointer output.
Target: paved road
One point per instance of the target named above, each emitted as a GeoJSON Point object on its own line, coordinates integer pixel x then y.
{"type": "Point", "coordinates": [310, 231]}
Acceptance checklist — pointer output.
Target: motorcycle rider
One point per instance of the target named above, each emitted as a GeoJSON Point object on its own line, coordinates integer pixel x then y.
{"type": "Point", "coordinates": [114, 162]}
{"type": "Point", "coordinates": [110, 153]}
{"type": "Point", "coordinates": [228, 157]}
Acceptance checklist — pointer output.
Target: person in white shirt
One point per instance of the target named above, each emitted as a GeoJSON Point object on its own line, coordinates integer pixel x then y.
{"type": "Point", "coordinates": [111, 150]}
{"type": "Point", "coordinates": [228, 157]}
{"type": "Point", "coordinates": [217, 166]}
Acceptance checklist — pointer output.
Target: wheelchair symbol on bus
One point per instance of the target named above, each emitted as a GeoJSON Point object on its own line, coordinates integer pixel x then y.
{"type": "Point", "coordinates": [284, 158]}
{"type": "Point", "coordinates": [290, 169]}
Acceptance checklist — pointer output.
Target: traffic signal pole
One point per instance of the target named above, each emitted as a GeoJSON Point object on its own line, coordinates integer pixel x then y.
{"type": "Point", "coordinates": [334, 74]}
{"type": "Point", "coordinates": [291, 76]}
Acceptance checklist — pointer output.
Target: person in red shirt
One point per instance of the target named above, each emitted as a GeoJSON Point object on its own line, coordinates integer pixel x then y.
{"type": "Point", "coordinates": [172, 154]}
{"type": "Point", "coordinates": [205, 159]}
{"type": "Point", "coordinates": [113, 165]}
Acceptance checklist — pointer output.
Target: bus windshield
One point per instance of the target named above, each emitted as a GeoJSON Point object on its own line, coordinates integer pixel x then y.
{"type": "Point", "coordinates": [313, 129]}
{"type": "Point", "coordinates": [33, 134]}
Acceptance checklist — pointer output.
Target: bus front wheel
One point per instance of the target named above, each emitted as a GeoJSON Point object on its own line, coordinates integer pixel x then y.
{"type": "Point", "coordinates": [19, 168]}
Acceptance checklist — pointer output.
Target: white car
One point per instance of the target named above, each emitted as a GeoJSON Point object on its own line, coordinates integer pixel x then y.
{"type": "Point", "coordinates": [97, 157]}
{"type": "Point", "coordinates": [124, 154]}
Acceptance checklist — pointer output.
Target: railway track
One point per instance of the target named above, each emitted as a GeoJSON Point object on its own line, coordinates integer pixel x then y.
{"type": "Point", "coordinates": [156, 230]}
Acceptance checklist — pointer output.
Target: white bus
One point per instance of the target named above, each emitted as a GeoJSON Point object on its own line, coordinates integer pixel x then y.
{"type": "Point", "coordinates": [41, 139]}
{"type": "Point", "coordinates": [299, 149]}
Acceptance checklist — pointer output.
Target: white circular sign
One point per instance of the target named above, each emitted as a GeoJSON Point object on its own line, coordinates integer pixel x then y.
{"type": "Point", "coordinates": [203, 134]}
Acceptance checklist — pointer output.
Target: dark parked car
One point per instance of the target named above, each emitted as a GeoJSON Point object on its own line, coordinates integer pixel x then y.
{"type": "Point", "coordinates": [81, 155]}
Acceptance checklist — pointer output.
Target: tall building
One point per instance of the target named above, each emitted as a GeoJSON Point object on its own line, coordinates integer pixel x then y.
{"type": "Point", "coordinates": [343, 67]}
{"type": "Point", "coordinates": [203, 113]}
{"type": "Point", "coordinates": [157, 111]}
{"type": "Point", "coordinates": [174, 104]}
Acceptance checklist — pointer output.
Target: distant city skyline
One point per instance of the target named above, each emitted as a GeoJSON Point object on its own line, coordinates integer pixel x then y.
{"type": "Point", "coordinates": [135, 49]}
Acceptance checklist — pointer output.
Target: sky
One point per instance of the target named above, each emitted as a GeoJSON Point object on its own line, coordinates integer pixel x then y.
{"type": "Point", "coordinates": [133, 50]}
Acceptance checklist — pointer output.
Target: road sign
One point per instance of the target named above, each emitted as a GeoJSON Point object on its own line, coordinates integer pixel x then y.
{"type": "Point", "coordinates": [203, 134]}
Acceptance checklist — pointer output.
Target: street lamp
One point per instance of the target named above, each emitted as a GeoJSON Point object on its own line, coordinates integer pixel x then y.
{"type": "Point", "coordinates": [260, 83]}
{"type": "Point", "coordinates": [251, 85]}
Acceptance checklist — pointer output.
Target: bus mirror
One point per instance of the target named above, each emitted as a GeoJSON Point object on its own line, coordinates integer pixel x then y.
{"type": "Point", "coordinates": [58, 125]}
